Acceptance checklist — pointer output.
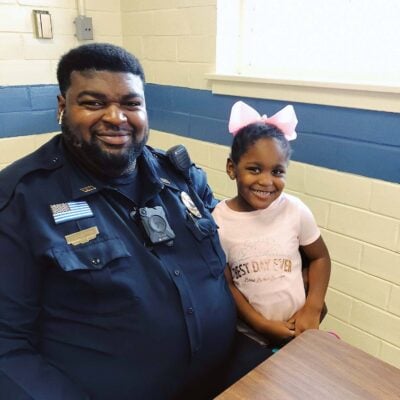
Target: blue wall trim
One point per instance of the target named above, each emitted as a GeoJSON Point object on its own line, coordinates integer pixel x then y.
{"type": "Point", "coordinates": [27, 110]}
{"type": "Point", "coordinates": [350, 140]}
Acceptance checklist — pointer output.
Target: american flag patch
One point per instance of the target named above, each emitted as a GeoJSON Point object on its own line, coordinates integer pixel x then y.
{"type": "Point", "coordinates": [71, 211]}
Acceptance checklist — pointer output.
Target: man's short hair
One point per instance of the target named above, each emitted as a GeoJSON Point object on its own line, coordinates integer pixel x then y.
{"type": "Point", "coordinates": [98, 57]}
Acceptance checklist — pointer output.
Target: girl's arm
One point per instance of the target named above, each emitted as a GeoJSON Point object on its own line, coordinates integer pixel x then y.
{"type": "Point", "coordinates": [308, 317]}
{"type": "Point", "coordinates": [275, 330]}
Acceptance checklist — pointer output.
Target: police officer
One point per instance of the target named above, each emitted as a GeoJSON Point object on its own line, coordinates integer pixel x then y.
{"type": "Point", "coordinates": [111, 272]}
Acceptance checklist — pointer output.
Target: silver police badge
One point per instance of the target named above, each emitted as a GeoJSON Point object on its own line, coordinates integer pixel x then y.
{"type": "Point", "coordinates": [188, 202]}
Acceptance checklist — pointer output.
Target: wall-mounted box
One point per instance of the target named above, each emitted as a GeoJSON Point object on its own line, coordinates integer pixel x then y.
{"type": "Point", "coordinates": [42, 23]}
{"type": "Point", "coordinates": [84, 27]}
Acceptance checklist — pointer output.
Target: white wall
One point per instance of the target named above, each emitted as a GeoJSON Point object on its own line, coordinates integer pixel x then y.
{"type": "Point", "coordinates": [27, 60]}
{"type": "Point", "coordinates": [174, 39]}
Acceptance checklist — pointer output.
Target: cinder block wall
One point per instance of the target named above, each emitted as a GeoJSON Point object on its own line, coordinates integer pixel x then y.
{"type": "Point", "coordinates": [359, 218]}
{"type": "Point", "coordinates": [28, 66]}
{"type": "Point", "coordinates": [175, 39]}
{"type": "Point", "coordinates": [359, 215]}
{"type": "Point", "coordinates": [27, 60]}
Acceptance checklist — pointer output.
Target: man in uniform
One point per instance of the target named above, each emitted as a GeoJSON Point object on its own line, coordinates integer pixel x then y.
{"type": "Point", "coordinates": [111, 272]}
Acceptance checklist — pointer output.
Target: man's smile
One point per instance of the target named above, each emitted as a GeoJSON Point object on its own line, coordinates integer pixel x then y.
{"type": "Point", "coordinates": [114, 139]}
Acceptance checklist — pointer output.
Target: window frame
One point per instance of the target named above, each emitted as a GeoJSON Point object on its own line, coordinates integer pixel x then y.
{"type": "Point", "coordinates": [228, 80]}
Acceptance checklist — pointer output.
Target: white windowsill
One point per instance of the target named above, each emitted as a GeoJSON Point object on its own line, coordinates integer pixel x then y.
{"type": "Point", "coordinates": [370, 97]}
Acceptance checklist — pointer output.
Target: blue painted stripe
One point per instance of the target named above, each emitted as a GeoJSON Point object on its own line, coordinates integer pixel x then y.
{"type": "Point", "coordinates": [357, 141]}
{"type": "Point", "coordinates": [28, 123]}
{"type": "Point", "coordinates": [27, 110]}
{"type": "Point", "coordinates": [362, 158]}
{"type": "Point", "coordinates": [351, 140]}
{"type": "Point", "coordinates": [44, 97]}
{"type": "Point", "coordinates": [14, 99]}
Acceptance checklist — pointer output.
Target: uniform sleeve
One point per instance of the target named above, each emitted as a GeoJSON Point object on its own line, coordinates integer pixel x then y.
{"type": "Point", "coordinates": [202, 188]}
{"type": "Point", "coordinates": [24, 373]}
{"type": "Point", "coordinates": [309, 231]}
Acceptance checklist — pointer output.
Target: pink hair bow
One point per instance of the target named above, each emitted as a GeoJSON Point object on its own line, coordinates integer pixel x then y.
{"type": "Point", "coordinates": [243, 115]}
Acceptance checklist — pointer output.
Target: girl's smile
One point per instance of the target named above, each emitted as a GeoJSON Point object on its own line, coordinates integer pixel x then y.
{"type": "Point", "coordinates": [260, 175]}
{"type": "Point", "coordinates": [262, 194]}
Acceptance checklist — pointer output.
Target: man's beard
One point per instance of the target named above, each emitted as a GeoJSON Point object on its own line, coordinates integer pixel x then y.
{"type": "Point", "coordinates": [99, 161]}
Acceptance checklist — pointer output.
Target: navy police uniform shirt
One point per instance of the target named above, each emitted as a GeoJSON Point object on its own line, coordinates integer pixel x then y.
{"type": "Point", "coordinates": [89, 307]}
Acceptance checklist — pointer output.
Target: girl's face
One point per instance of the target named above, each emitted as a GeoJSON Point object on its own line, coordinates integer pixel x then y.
{"type": "Point", "coordinates": [260, 175]}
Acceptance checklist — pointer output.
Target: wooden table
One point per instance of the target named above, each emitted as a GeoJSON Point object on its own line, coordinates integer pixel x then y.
{"type": "Point", "coordinates": [318, 366]}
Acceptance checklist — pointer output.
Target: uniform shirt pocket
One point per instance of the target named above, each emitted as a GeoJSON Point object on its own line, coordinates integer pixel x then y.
{"type": "Point", "coordinates": [93, 255]}
{"type": "Point", "coordinates": [206, 234]}
{"type": "Point", "coordinates": [92, 278]}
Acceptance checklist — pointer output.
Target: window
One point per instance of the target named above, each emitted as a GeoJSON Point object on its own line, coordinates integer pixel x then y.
{"type": "Point", "coordinates": [332, 41]}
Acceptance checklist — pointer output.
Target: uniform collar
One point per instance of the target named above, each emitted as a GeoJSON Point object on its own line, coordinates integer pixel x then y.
{"type": "Point", "coordinates": [77, 184]}
{"type": "Point", "coordinates": [83, 184]}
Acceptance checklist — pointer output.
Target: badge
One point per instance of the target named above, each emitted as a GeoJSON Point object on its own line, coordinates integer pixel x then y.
{"type": "Point", "coordinates": [188, 202]}
{"type": "Point", "coordinates": [82, 236]}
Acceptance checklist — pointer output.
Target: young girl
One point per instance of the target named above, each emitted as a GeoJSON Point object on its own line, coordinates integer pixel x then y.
{"type": "Point", "coordinates": [262, 229]}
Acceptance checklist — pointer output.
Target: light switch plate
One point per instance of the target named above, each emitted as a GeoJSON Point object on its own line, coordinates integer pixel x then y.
{"type": "Point", "coordinates": [43, 25]}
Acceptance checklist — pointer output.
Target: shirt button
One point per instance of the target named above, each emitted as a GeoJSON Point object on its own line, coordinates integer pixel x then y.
{"type": "Point", "coordinates": [177, 272]}
{"type": "Point", "coordinates": [190, 310]}
{"type": "Point", "coordinates": [96, 261]}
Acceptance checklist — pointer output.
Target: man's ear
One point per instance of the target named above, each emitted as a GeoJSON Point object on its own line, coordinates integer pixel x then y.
{"type": "Point", "coordinates": [230, 169]}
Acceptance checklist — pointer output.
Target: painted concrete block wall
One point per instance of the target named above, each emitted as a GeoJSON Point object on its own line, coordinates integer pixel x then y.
{"type": "Point", "coordinates": [28, 65]}
{"type": "Point", "coordinates": [13, 148]}
{"type": "Point", "coordinates": [362, 230]}
{"type": "Point", "coordinates": [27, 60]}
{"type": "Point", "coordinates": [359, 216]}
{"type": "Point", "coordinates": [174, 39]}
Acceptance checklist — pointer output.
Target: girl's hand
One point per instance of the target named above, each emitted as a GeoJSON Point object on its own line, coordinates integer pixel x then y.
{"type": "Point", "coordinates": [275, 330]}
{"type": "Point", "coordinates": [309, 316]}
{"type": "Point", "coordinates": [278, 330]}
{"type": "Point", "coordinates": [306, 318]}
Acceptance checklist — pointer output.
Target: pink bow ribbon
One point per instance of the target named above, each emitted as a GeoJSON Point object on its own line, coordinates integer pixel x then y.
{"type": "Point", "coordinates": [242, 115]}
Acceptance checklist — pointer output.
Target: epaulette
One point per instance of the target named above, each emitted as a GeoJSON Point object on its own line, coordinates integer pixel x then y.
{"type": "Point", "coordinates": [170, 173]}
{"type": "Point", "coordinates": [47, 157]}
{"type": "Point", "coordinates": [162, 154]}
{"type": "Point", "coordinates": [157, 153]}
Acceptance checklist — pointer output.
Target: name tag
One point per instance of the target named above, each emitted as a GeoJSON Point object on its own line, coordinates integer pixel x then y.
{"type": "Point", "coordinates": [83, 236]}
